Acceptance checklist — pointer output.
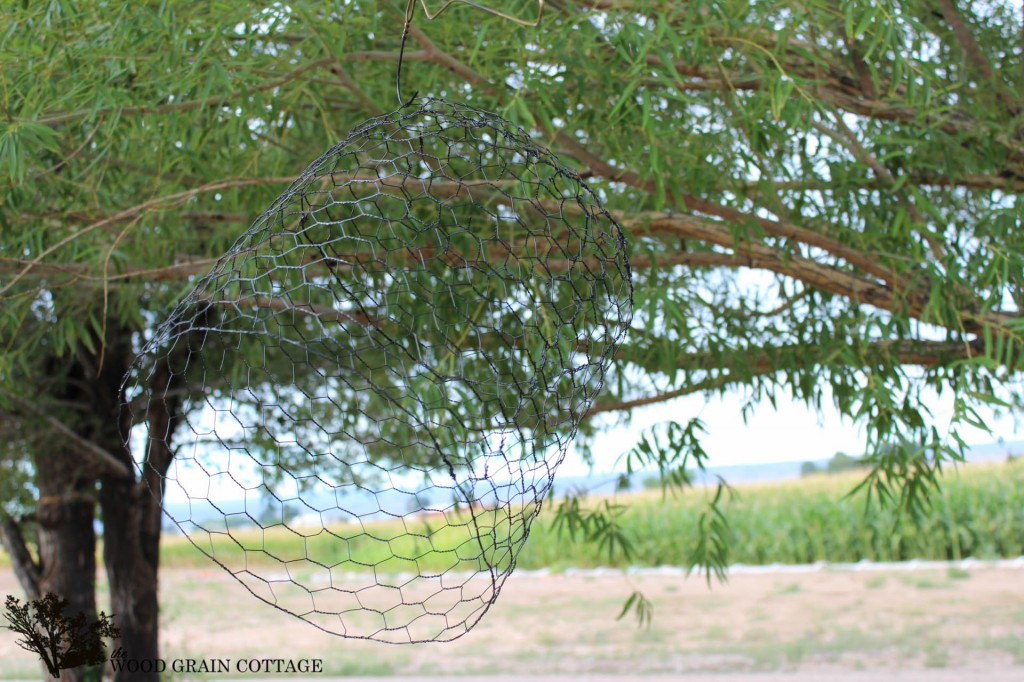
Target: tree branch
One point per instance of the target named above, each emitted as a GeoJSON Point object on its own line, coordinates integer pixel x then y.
{"type": "Point", "coordinates": [916, 179]}
{"type": "Point", "coordinates": [867, 84]}
{"type": "Point", "coordinates": [973, 51]}
{"type": "Point", "coordinates": [627, 405]}
{"type": "Point", "coordinates": [837, 87]}
{"type": "Point", "coordinates": [106, 461]}
{"type": "Point", "coordinates": [346, 80]}
{"type": "Point", "coordinates": [762, 256]}
{"type": "Point", "coordinates": [888, 295]}
{"type": "Point", "coordinates": [869, 263]}
{"type": "Point", "coordinates": [848, 139]}
{"type": "Point", "coordinates": [397, 185]}
{"type": "Point", "coordinates": [26, 569]}
{"type": "Point", "coordinates": [311, 309]}
{"type": "Point", "coordinates": [290, 76]}
{"type": "Point", "coordinates": [165, 410]}
{"type": "Point", "coordinates": [920, 353]}
{"type": "Point", "coordinates": [129, 213]}
{"type": "Point", "coordinates": [438, 56]}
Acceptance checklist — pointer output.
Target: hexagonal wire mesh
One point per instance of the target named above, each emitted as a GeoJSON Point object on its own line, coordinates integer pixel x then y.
{"type": "Point", "coordinates": [382, 374]}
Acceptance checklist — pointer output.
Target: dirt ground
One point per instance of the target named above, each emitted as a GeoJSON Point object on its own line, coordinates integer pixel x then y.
{"type": "Point", "coordinates": [844, 624]}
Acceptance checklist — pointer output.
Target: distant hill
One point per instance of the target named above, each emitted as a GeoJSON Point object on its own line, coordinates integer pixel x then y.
{"type": "Point", "coordinates": [996, 451]}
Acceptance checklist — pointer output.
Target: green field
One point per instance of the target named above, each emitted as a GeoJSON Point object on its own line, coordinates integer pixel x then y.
{"type": "Point", "coordinates": [978, 512]}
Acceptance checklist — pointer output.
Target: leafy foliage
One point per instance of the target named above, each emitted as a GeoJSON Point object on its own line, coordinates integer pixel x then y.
{"type": "Point", "coordinates": [600, 525]}
{"type": "Point", "coordinates": [641, 606]}
{"type": "Point", "coordinates": [849, 152]}
{"type": "Point", "coordinates": [823, 197]}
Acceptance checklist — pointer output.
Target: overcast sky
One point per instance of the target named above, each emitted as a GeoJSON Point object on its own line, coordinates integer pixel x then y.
{"type": "Point", "coordinates": [791, 433]}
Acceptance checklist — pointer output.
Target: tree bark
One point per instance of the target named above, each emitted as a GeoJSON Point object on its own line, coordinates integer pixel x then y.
{"type": "Point", "coordinates": [87, 460]}
{"type": "Point", "coordinates": [67, 539]}
{"type": "Point", "coordinates": [25, 567]}
{"type": "Point", "coordinates": [130, 546]}
{"type": "Point", "coordinates": [133, 579]}
{"type": "Point", "coordinates": [67, 478]}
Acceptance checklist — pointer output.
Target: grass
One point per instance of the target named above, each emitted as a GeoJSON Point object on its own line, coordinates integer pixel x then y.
{"type": "Point", "coordinates": [876, 582]}
{"type": "Point", "coordinates": [792, 588]}
{"type": "Point", "coordinates": [957, 573]}
{"type": "Point", "coordinates": [1010, 644]}
{"type": "Point", "coordinates": [927, 584]}
{"type": "Point", "coordinates": [935, 656]}
{"type": "Point", "coordinates": [393, 547]}
{"type": "Point", "coordinates": [765, 650]}
{"type": "Point", "coordinates": [978, 512]}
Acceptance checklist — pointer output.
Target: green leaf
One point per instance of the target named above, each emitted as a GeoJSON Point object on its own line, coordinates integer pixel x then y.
{"type": "Point", "coordinates": [642, 608]}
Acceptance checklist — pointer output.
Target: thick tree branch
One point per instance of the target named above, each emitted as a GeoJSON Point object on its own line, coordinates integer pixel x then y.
{"type": "Point", "coordinates": [866, 262]}
{"type": "Point", "coordinates": [749, 188]}
{"type": "Point", "coordinates": [919, 353]}
{"type": "Point", "coordinates": [194, 265]}
{"type": "Point", "coordinates": [892, 293]}
{"type": "Point", "coordinates": [26, 569]}
{"type": "Point", "coordinates": [860, 67]}
{"type": "Point", "coordinates": [163, 202]}
{"type": "Point", "coordinates": [885, 293]}
{"type": "Point", "coordinates": [760, 255]}
{"type": "Point", "coordinates": [323, 313]}
{"type": "Point", "coordinates": [103, 459]}
{"type": "Point", "coordinates": [165, 409]}
{"type": "Point", "coordinates": [398, 185]}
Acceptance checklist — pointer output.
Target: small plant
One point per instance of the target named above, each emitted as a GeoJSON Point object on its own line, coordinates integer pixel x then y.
{"type": "Point", "coordinates": [957, 573]}
{"type": "Point", "coordinates": [61, 640]}
{"type": "Point", "coordinates": [792, 588]}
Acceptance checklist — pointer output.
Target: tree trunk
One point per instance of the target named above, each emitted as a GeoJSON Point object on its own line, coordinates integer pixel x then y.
{"type": "Point", "coordinates": [67, 539]}
{"type": "Point", "coordinates": [130, 505]}
{"type": "Point", "coordinates": [131, 545]}
{"type": "Point", "coordinates": [65, 520]}
{"type": "Point", "coordinates": [133, 579]}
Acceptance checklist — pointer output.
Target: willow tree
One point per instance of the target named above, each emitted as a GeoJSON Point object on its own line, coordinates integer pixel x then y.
{"type": "Point", "coordinates": [821, 200]}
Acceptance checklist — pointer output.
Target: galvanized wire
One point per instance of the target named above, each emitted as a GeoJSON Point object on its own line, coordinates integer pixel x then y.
{"type": "Point", "coordinates": [381, 376]}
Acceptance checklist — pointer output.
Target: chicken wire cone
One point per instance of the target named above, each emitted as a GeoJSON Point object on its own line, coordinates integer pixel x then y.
{"type": "Point", "coordinates": [381, 376]}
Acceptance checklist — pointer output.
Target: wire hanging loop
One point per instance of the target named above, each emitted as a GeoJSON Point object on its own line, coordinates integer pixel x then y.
{"type": "Point", "coordinates": [410, 11]}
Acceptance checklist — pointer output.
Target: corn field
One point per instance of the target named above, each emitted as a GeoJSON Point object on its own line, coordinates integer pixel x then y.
{"type": "Point", "coordinates": [977, 512]}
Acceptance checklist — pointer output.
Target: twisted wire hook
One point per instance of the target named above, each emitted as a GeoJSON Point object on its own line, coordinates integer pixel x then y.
{"type": "Point", "coordinates": [410, 11]}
